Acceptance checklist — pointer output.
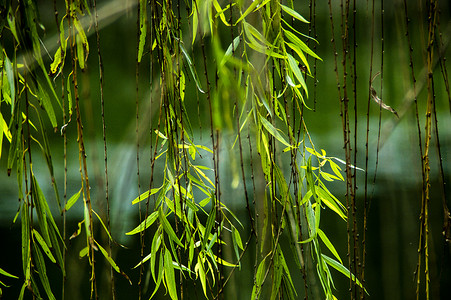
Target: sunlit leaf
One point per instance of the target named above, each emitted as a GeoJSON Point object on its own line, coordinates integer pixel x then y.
{"type": "Point", "coordinates": [342, 269]}
{"type": "Point", "coordinates": [293, 13]}
{"type": "Point", "coordinates": [328, 244]}
{"type": "Point", "coordinates": [168, 228]}
{"type": "Point", "coordinates": [142, 28]}
{"type": "Point", "coordinates": [146, 195]}
{"type": "Point", "coordinates": [169, 275]}
{"type": "Point", "coordinates": [144, 224]}
{"type": "Point", "coordinates": [273, 131]}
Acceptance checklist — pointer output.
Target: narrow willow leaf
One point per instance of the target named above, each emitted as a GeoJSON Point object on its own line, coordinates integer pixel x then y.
{"type": "Point", "coordinates": [191, 68]}
{"type": "Point", "coordinates": [44, 99]}
{"type": "Point", "coordinates": [237, 237]}
{"type": "Point", "coordinates": [252, 33]}
{"type": "Point", "coordinates": [273, 131]}
{"type": "Point", "coordinates": [342, 269]}
{"type": "Point", "coordinates": [223, 262]}
{"type": "Point", "coordinates": [168, 228]}
{"type": "Point", "coordinates": [87, 219]}
{"type": "Point", "coordinates": [331, 202]}
{"type": "Point", "coordinates": [80, 52]}
{"type": "Point", "coordinates": [199, 171]}
{"type": "Point", "coordinates": [195, 22]}
{"type": "Point", "coordinates": [44, 246]}
{"type": "Point", "coordinates": [329, 245]}
{"type": "Point", "coordinates": [10, 76]}
{"type": "Point", "coordinates": [3, 272]}
{"type": "Point", "coordinates": [83, 252]}
{"type": "Point", "coordinates": [146, 258]}
{"type": "Point", "coordinates": [287, 274]}
{"type": "Point", "coordinates": [156, 242]}
{"type": "Point", "coordinates": [40, 204]}
{"type": "Point", "coordinates": [232, 47]}
{"type": "Point", "coordinates": [210, 223]}
{"type": "Point", "coordinates": [146, 195]}
{"type": "Point", "coordinates": [69, 94]}
{"type": "Point", "coordinates": [199, 269]}
{"type": "Point", "coordinates": [259, 277]}
{"type": "Point", "coordinates": [72, 200]}
{"type": "Point", "coordinates": [25, 222]}
{"type": "Point", "coordinates": [297, 72]}
{"type": "Point", "coordinates": [5, 131]}
{"type": "Point", "coordinates": [221, 11]}
{"type": "Point", "coordinates": [144, 224]}
{"type": "Point", "coordinates": [40, 266]}
{"type": "Point", "coordinates": [169, 275]}
{"type": "Point", "coordinates": [351, 166]}
{"type": "Point", "coordinates": [83, 41]}
{"type": "Point", "coordinates": [277, 275]}
{"type": "Point", "coordinates": [336, 169]}
{"type": "Point", "coordinates": [103, 225]}
{"type": "Point", "coordinates": [142, 28]}
{"type": "Point", "coordinates": [12, 24]}
{"type": "Point", "coordinates": [160, 276]}
{"type": "Point", "coordinates": [328, 177]}
{"type": "Point", "coordinates": [300, 44]}
{"type": "Point", "coordinates": [112, 262]}
{"type": "Point", "coordinates": [181, 267]}
{"type": "Point", "coordinates": [301, 56]}
{"type": "Point", "coordinates": [255, 5]}
{"type": "Point", "coordinates": [293, 13]}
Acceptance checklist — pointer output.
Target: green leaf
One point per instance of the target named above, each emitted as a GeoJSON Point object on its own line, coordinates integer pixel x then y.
{"type": "Point", "coordinates": [144, 224]}
{"type": "Point", "coordinates": [232, 47]}
{"type": "Point", "coordinates": [83, 252]}
{"type": "Point", "coordinates": [273, 131]}
{"type": "Point", "coordinates": [328, 244]}
{"type": "Point", "coordinates": [220, 11]}
{"type": "Point", "coordinates": [142, 28]}
{"type": "Point", "coordinates": [210, 223]}
{"type": "Point", "coordinates": [191, 67]}
{"type": "Point", "coordinates": [12, 24]}
{"type": "Point", "coordinates": [331, 202]}
{"type": "Point", "coordinates": [160, 275]}
{"type": "Point", "coordinates": [44, 99]}
{"type": "Point", "coordinates": [82, 43]}
{"type": "Point", "coordinates": [297, 72]}
{"type": "Point", "coordinates": [10, 76]}
{"type": "Point", "coordinates": [167, 227]}
{"type": "Point", "coordinates": [40, 266]}
{"type": "Point", "coordinates": [43, 245]}
{"type": "Point", "coordinates": [259, 277]}
{"type": "Point", "coordinates": [169, 274]}
{"type": "Point", "coordinates": [342, 269]}
{"type": "Point", "coordinates": [200, 271]}
{"type": "Point", "coordinates": [57, 61]}
{"type": "Point", "coordinates": [255, 5]}
{"type": "Point", "coordinates": [111, 261]}
{"type": "Point", "coordinates": [3, 272]}
{"type": "Point", "coordinates": [72, 200]}
{"type": "Point", "coordinates": [293, 13]}
{"type": "Point", "coordinates": [156, 242]}
{"type": "Point", "coordinates": [300, 44]}
{"type": "Point", "coordinates": [146, 195]}
{"type": "Point", "coordinates": [277, 275]}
